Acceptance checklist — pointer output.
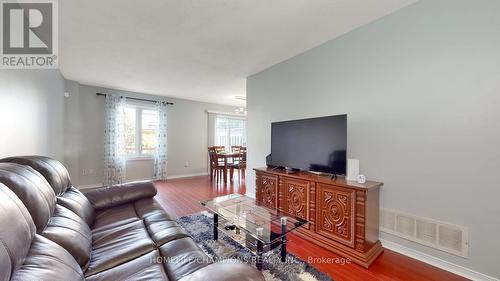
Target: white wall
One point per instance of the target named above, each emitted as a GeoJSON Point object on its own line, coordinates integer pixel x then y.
{"type": "Point", "coordinates": [422, 91]}
{"type": "Point", "coordinates": [31, 113]}
{"type": "Point", "coordinates": [187, 136]}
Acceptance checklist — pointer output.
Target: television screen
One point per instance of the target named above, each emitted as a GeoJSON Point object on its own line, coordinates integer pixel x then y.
{"type": "Point", "coordinates": [316, 144]}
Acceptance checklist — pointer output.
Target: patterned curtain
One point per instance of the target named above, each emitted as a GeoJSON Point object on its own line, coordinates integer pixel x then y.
{"type": "Point", "coordinates": [114, 146]}
{"type": "Point", "coordinates": [160, 163]}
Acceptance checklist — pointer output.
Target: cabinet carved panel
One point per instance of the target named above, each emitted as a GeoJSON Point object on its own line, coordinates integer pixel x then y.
{"type": "Point", "coordinates": [296, 197]}
{"type": "Point", "coordinates": [335, 213]}
{"type": "Point", "coordinates": [267, 190]}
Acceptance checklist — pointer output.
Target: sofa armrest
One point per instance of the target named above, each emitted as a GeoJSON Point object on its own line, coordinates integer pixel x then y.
{"type": "Point", "coordinates": [110, 196]}
{"type": "Point", "coordinates": [226, 271]}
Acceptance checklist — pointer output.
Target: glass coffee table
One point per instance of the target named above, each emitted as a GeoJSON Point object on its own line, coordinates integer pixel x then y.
{"type": "Point", "coordinates": [260, 229]}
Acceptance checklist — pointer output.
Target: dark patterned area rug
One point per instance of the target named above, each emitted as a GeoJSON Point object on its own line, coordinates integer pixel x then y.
{"type": "Point", "coordinates": [294, 269]}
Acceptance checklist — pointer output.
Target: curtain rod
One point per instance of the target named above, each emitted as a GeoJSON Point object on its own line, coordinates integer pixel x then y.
{"type": "Point", "coordinates": [130, 98]}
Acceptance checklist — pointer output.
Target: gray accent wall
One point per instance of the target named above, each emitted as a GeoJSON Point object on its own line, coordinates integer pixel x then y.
{"type": "Point", "coordinates": [31, 113]}
{"type": "Point", "coordinates": [421, 88]}
{"type": "Point", "coordinates": [187, 136]}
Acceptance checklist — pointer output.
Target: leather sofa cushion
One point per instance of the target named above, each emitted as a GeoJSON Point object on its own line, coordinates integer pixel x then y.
{"type": "Point", "coordinates": [165, 231]}
{"type": "Point", "coordinates": [114, 217]}
{"type": "Point", "coordinates": [72, 233]}
{"type": "Point", "coordinates": [149, 207]}
{"type": "Point", "coordinates": [113, 246]}
{"type": "Point", "coordinates": [158, 223]}
{"type": "Point", "coordinates": [74, 200]}
{"type": "Point", "coordinates": [16, 232]}
{"type": "Point", "coordinates": [160, 226]}
{"type": "Point", "coordinates": [33, 190]}
{"type": "Point", "coordinates": [53, 171]}
{"type": "Point", "coordinates": [144, 268]}
{"type": "Point", "coordinates": [47, 261]}
{"type": "Point", "coordinates": [112, 196]}
{"type": "Point", "coordinates": [183, 258]}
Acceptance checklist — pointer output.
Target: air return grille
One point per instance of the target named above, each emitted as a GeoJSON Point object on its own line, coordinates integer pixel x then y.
{"type": "Point", "coordinates": [435, 234]}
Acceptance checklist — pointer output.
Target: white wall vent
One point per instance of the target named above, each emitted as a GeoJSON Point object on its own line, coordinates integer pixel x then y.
{"type": "Point", "coordinates": [432, 233]}
{"type": "Point", "coordinates": [388, 220]}
{"type": "Point", "coordinates": [405, 225]}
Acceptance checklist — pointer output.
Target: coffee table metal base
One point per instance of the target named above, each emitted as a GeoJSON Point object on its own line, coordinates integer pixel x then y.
{"type": "Point", "coordinates": [216, 227]}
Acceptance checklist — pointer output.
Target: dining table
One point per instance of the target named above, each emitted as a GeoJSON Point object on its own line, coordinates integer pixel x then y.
{"type": "Point", "coordinates": [227, 155]}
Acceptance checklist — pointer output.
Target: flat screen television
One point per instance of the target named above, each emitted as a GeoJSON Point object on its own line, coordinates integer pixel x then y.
{"type": "Point", "coordinates": [315, 144]}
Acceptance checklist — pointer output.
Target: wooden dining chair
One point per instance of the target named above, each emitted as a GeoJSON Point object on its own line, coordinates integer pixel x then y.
{"type": "Point", "coordinates": [240, 163]}
{"type": "Point", "coordinates": [219, 148]}
{"type": "Point", "coordinates": [236, 148]}
{"type": "Point", "coordinates": [216, 165]}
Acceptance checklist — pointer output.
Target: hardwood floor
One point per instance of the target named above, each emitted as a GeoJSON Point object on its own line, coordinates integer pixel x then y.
{"type": "Point", "coordinates": [181, 197]}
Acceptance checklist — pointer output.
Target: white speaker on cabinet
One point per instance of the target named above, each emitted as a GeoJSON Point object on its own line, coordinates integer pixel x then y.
{"type": "Point", "coordinates": [352, 169]}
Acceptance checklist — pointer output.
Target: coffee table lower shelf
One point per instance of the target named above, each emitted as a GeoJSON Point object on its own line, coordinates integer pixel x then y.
{"type": "Point", "coordinates": [256, 246]}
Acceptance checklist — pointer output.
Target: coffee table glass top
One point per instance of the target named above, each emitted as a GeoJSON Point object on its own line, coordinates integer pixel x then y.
{"type": "Point", "coordinates": [250, 216]}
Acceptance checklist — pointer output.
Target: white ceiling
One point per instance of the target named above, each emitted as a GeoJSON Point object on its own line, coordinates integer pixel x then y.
{"type": "Point", "coordinates": [198, 49]}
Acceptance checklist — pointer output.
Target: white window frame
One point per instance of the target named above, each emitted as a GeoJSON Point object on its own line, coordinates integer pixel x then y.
{"type": "Point", "coordinates": [139, 107]}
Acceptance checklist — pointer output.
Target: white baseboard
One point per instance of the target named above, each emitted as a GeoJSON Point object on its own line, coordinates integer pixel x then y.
{"type": "Point", "coordinates": [437, 262]}
{"type": "Point", "coordinates": [143, 179]}
{"type": "Point", "coordinates": [186, 176]}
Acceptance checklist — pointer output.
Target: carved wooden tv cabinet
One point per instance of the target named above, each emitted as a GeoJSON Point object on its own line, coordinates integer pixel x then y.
{"type": "Point", "coordinates": [343, 215]}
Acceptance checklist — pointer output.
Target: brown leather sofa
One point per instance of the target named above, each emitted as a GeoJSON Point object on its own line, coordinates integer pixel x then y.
{"type": "Point", "coordinates": [49, 230]}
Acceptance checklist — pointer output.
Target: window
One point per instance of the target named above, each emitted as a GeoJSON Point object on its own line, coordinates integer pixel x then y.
{"type": "Point", "coordinates": [141, 125]}
{"type": "Point", "coordinates": [148, 131]}
{"type": "Point", "coordinates": [230, 131]}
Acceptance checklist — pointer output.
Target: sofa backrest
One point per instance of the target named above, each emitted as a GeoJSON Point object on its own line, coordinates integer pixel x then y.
{"type": "Point", "coordinates": [25, 255]}
{"type": "Point", "coordinates": [52, 220]}
{"type": "Point", "coordinates": [33, 190]}
{"type": "Point", "coordinates": [58, 177]}
{"type": "Point", "coordinates": [16, 232]}
{"type": "Point", "coordinates": [53, 171]}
